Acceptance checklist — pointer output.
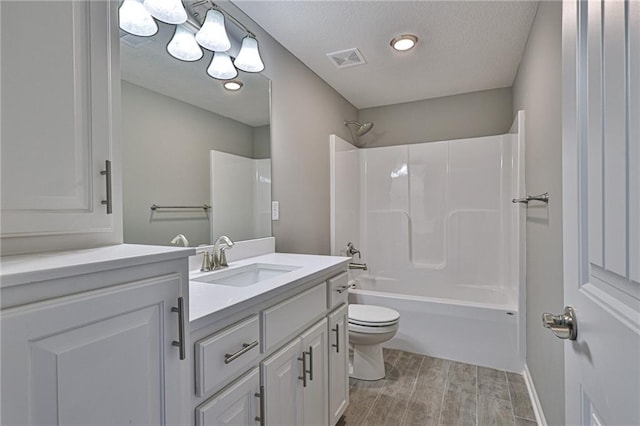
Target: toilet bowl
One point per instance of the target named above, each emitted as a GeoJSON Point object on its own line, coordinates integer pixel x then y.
{"type": "Point", "coordinates": [369, 327]}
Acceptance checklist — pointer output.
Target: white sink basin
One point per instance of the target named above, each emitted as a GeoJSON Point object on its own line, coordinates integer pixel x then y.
{"type": "Point", "coordinates": [246, 275]}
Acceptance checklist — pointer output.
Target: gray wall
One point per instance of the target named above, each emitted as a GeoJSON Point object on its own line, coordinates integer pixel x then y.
{"type": "Point", "coordinates": [304, 112]}
{"type": "Point", "coordinates": [166, 146]}
{"type": "Point", "coordinates": [537, 90]}
{"type": "Point", "coordinates": [262, 142]}
{"type": "Point", "coordinates": [483, 113]}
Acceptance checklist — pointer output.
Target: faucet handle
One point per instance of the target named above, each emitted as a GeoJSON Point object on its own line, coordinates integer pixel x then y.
{"type": "Point", "coordinates": [223, 256]}
{"type": "Point", "coordinates": [206, 262]}
{"type": "Point", "coordinates": [352, 251]}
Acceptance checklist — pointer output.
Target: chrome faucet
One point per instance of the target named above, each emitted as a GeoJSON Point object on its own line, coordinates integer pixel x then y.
{"type": "Point", "coordinates": [180, 238]}
{"type": "Point", "coordinates": [352, 251]}
{"type": "Point", "coordinates": [219, 257]}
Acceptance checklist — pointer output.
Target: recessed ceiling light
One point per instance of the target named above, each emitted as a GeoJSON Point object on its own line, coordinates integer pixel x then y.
{"type": "Point", "coordinates": [404, 42]}
{"type": "Point", "coordinates": [232, 85]}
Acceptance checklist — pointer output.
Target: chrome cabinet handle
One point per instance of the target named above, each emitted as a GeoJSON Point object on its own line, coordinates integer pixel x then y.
{"type": "Point", "coordinates": [180, 342]}
{"type": "Point", "coordinates": [260, 396]}
{"type": "Point", "coordinates": [310, 362]}
{"type": "Point", "coordinates": [107, 173]}
{"type": "Point", "coordinates": [304, 370]}
{"type": "Point", "coordinates": [342, 288]}
{"type": "Point", "coordinates": [337, 345]}
{"type": "Point", "coordinates": [246, 347]}
{"type": "Point", "coordinates": [564, 326]}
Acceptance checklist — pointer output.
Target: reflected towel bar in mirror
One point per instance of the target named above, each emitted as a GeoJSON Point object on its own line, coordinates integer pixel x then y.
{"type": "Point", "coordinates": [155, 207]}
{"type": "Point", "coordinates": [542, 197]}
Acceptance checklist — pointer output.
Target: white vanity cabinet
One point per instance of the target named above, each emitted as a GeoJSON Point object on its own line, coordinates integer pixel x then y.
{"type": "Point", "coordinates": [100, 348]}
{"type": "Point", "coordinates": [338, 363]}
{"type": "Point", "coordinates": [238, 404]}
{"type": "Point", "coordinates": [60, 89]}
{"type": "Point", "coordinates": [295, 380]}
{"type": "Point", "coordinates": [293, 353]}
{"type": "Point", "coordinates": [315, 397]}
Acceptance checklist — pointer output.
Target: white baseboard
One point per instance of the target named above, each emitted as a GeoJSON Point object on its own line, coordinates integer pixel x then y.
{"type": "Point", "coordinates": [535, 402]}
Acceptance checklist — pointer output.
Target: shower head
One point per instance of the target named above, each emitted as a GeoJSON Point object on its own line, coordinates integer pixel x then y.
{"type": "Point", "coordinates": [362, 128]}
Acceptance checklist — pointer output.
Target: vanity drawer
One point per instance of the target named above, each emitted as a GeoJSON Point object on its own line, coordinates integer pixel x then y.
{"type": "Point", "coordinates": [226, 354]}
{"type": "Point", "coordinates": [338, 288]}
{"type": "Point", "coordinates": [285, 318]}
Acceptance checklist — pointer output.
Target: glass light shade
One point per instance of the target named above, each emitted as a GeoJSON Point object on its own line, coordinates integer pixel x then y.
{"type": "Point", "coordinates": [249, 57]}
{"type": "Point", "coordinates": [169, 11]}
{"type": "Point", "coordinates": [221, 67]}
{"type": "Point", "coordinates": [213, 35]}
{"type": "Point", "coordinates": [136, 20]}
{"type": "Point", "coordinates": [183, 45]}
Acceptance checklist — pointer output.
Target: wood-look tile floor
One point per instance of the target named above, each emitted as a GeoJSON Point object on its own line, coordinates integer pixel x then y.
{"type": "Point", "coordinates": [421, 390]}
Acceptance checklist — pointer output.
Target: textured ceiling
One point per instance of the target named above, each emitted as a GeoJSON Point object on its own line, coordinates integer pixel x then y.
{"type": "Point", "coordinates": [150, 66]}
{"type": "Point", "coordinates": [464, 46]}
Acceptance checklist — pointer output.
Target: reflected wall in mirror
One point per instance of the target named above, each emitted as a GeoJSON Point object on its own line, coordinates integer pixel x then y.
{"type": "Point", "coordinates": [174, 117]}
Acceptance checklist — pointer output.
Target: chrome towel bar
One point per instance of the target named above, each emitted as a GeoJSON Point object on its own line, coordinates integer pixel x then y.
{"type": "Point", "coordinates": [155, 207]}
{"type": "Point", "coordinates": [542, 197]}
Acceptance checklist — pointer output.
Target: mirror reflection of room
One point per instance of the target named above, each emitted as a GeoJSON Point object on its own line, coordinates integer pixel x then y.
{"type": "Point", "coordinates": [182, 130]}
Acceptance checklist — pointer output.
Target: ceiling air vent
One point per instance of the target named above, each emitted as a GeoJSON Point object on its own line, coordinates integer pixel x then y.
{"type": "Point", "coordinates": [346, 58]}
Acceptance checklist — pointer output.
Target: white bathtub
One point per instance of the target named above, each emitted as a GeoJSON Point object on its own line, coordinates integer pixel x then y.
{"type": "Point", "coordinates": [479, 327]}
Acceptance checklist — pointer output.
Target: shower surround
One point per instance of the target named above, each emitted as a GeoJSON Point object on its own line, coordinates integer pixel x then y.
{"type": "Point", "coordinates": [442, 240]}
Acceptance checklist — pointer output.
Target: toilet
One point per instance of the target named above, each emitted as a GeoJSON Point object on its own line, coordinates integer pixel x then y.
{"type": "Point", "coordinates": [369, 327]}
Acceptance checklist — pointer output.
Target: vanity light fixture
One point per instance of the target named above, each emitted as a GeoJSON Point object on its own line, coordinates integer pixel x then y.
{"type": "Point", "coordinates": [136, 20]}
{"type": "Point", "coordinates": [249, 56]}
{"type": "Point", "coordinates": [404, 42]}
{"type": "Point", "coordinates": [183, 45]}
{"type": "Point", "coordinates": [169, 11]}
{"type": "Point", "coordinates": [136, 17]}
{"type": "Point", "coordinates": [221, 67]}
{"type": "Point", "coordinates": [213, 34]}
{"type": "Point", "coordinates": [232, 85]}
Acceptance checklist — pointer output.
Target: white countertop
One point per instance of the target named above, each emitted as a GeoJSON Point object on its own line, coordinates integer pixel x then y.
{"type": "Point", "coordinates": [207, 298]}
{"type": "Point", "coordinates": [21, 269]}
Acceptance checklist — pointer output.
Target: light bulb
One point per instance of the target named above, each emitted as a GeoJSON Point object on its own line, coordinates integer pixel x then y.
{"type": "Point", "coordinates": [221, 67]}
{"type": "Point", "coordinates": [135, 19]}
{"type": "Point", "coordinates": [169, 11]}
{"type": "Point", "coordinates": [213, 35]}
{"type": "Point", "coordinates": [404, 42]}
{"type": "Point", "coordinates": [183, 45]}
{"type": "Point", "coordinates": [233, 85]}
{"type": "Point", "coordinates": [249, 56]}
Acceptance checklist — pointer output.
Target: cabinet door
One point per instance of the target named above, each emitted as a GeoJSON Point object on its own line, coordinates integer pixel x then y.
{"type": "Point", "coordinates": [103, 357]}
{"type": "Point", "coordinates": [60, 77]}
{"type": "Point", "coordinates": [283, 387]}
{"type": "Point", "coordinates": [237, 404]}
{"type": "Point", "coordinates": [338, 363]}
{"type": "Point", "coordinates": [316, 394]}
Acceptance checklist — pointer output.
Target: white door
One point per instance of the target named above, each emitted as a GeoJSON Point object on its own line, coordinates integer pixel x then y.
{"type": "Point", "coordinates": [238, 404]}
{"type": "Point", "coordinates": [103, 357]}
{"type": "Point", "coordinates": [338, 364]}
{"type": "Point", "coordinates": [316, 394]}
{"type": "Point", "coordinates": [601, 190]}
{"type": "Point", "coordinates": [281, 377]}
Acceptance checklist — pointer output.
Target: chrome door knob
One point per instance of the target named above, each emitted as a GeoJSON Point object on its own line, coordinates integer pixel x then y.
{"type": "Point", "coordinates": [564, 326]}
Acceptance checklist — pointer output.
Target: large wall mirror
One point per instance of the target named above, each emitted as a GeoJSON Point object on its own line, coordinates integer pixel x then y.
{"type": "Point", "coordinates": [189, 142]}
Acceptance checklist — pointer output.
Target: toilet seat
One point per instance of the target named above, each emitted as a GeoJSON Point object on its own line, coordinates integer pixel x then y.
{"type": "Point", "coordinates": [373, 324]}
{"type": "Point", "coordinates": [367, 329]}
{"type": "Point", "coordinates": [372, 316]}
